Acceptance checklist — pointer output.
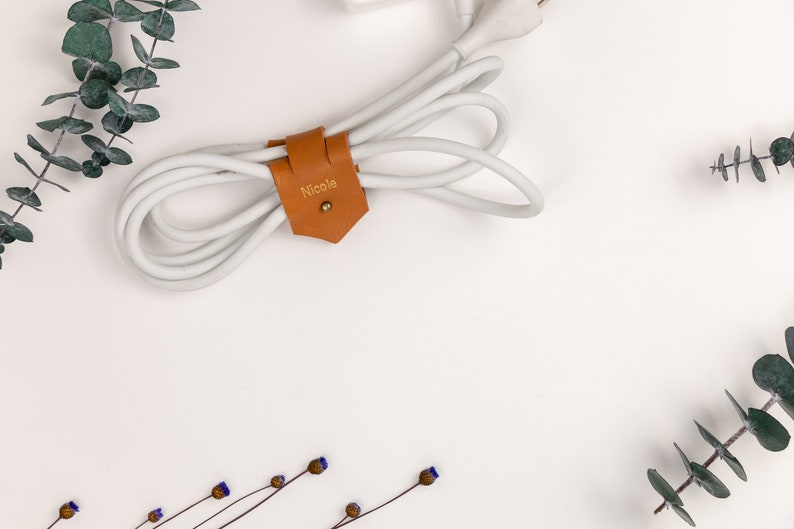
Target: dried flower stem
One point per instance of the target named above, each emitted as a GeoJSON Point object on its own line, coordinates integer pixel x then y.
{"type": "Point", "coordinates": [182, 511]}
{"type": "Point", "coordinates": [263, 500]}
{"type": "Point", "coordinates": [400, 495]}
{"type": "Point", "coordinates": [231, 505]}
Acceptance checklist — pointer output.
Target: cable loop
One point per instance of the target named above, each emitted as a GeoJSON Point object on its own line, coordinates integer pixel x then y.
{"type": "Point", "coordinates": [202, 256]}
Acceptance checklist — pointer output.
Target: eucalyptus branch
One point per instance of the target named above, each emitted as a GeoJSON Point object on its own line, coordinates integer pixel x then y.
{"type": "Point", "coordinates": [10, 230]}
{"type": "Point", "coordinates": [123, 114]}
{"type": "Point", "coordinates": [781, 152]}
{"type": "Point", "coordinates": [772, 373]}
{"type": "Point", "coordinates": [90, 43]}
{"type": "Point", "coordinates": [715, 455]}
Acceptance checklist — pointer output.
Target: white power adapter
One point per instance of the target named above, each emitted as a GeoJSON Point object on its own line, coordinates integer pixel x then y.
{"type": "Point", "coordinates": [496, 19]}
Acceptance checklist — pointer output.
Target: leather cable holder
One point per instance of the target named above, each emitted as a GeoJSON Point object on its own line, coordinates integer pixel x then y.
{"type": "Point", "coordinates": [318, 185]}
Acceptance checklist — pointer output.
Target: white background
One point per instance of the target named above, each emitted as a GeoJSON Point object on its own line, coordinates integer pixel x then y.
{"type": "Point", "coordinates": [542, 365]}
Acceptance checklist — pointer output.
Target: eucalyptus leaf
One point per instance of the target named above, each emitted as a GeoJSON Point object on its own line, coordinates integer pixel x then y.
{"type": "Point", "coordinates": [81, 67]}
{"type": "Point", "coordinates": [75, 126]}
{"type": "Point", "coordinates": [118, 105]}
{"type": "Point", "coordinates": [67, 124]}
{"type": "Point", "coordinates": [5, 219]}
{"type": "Point", "coordinates": [721, 167]}
{"type": "Point", "coordinates": [183, 5]}
{"type": "Point", "coordinates": [64, 162]}
{"type": "Point", "coordinates": [722, 452]}
{"type": "Point", "coordinates": [57, 97]}
{"type": "Point", "coordinates": [684, 459]}
{"type": "Point", "coordinates": [94, 93]}
{"type": "Point", "coordinates": [709, 437]}
{"type": "Point", "coordinates": [775, 375]}
{"type": "Point", "coordinates": [85, 70]}
{"type": "Point", "coordinates": [116, 125]}
{"type": "Point", "coordinates": [36, 175]}
{"type": "Point", "coordinates": [758, 170]}
{"type": "Point", "coordinates": [127, 12]}
{"type": "Point", "coordinates": [139, 50]}
{"type": "Point", "coordinates": [737, 407]}
{"type": "Point", "coordinates": [734, 464]}
{"type": "Point", "coordinates": [27, 166]}
{"type": "Point", "coordinates": [90, 11]}
{"type": "Point", "coordinates": [158, 24]}
{"type": "Point", "coordinates": [91, 170]}
{"type": "Point", "coordinates": [139, 79]}
{"type": "Point", "coordinates": [683, 514]}
{"type": "Point", "coordinates": [710, 483]}
{"type": "Point", "coordinates": [664, 489]}
{"type": "Point", "coordinates": [19, 231]}
{"type": "Point", "coordinates": [781, 150]}
{"type": "Point", "coordinates": [24, 195]}
{"type": "Point", "coordinates": [88, 40]}
{"type": "Point", "coordinates": [107, 71]}
{"type": "Point", "coordinates": [160, 63]}
{"type": "Point", "coordinates": [770, 433]}
{"type": "Point", "coordinates": [118, 156]}
{"type": "Point", "coordinates": [94, 143]}
{"type": "Point", "coordinates": [52, 125]}
{"type": "Point", "coordinates": [143, 113]}
{"type": "Point", "coordinates": [59, 186]}
{"type": "Point", "coordinates": [737, 159]}
{"type": "Point", "coordinates": [34, 144]}
{"type": "Point", "coordinates": [790, 342]}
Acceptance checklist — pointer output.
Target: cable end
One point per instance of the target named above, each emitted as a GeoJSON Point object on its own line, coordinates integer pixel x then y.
{"type": "Point", "coordinates": [499, 20]}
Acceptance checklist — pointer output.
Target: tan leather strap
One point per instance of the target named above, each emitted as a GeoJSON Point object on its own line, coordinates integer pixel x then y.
{"type": "Point", "coordinates": [318, 185]}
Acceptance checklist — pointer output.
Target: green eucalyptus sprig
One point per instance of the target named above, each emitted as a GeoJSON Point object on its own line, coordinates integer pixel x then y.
{"type": "Point", "coordinates": [781, 152]}
{"type": "Point", "coordinates": [772, 373]}
{"type": "Point", "coordinates": [90, 43]}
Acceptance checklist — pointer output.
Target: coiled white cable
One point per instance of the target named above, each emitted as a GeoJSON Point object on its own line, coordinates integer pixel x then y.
{"type": "Point", "coordinates": [203, 256]}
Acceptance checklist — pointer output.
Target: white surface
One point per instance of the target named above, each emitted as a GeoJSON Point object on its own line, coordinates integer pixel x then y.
{"type": "Point", "coordinates": [541, 365]}
{"type": "Point", "coordinates": [360, 5]}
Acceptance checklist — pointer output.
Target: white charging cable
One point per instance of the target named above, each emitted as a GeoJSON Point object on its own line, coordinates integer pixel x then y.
{"type": "Point", "coordinates": [203, 256]}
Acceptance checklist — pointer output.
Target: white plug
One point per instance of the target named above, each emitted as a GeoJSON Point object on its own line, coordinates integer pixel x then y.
{"type": "Point", "coordinates": [499, 20]}
{"type": "Point", "coordinates": [464, 8]}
